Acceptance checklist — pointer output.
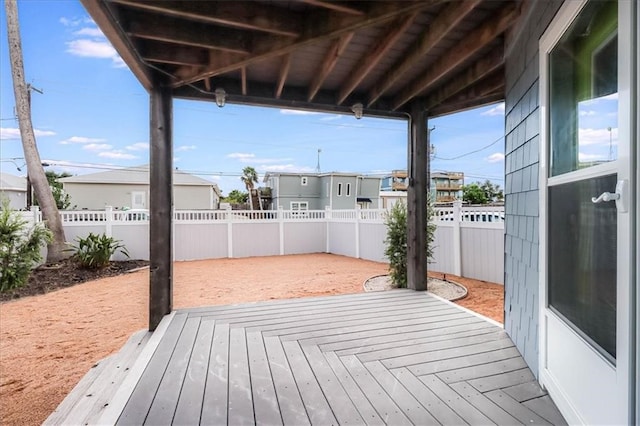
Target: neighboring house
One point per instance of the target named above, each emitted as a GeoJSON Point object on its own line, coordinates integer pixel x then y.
{"type": "Point", "coordinates": [446, 187]}
{"type": "Point", "coordinates": [128, 188]}
{"type": "Point", "coordinates": [14, 189]}
{"type": "Point", "coordinates": [396, 182]}
{"type": "Point", "coordinates": [389, 198]}
{"type": "Point", "coordinates": [317, 191]}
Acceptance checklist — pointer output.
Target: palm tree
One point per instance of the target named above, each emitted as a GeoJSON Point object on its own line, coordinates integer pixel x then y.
{"type": "Point", "coordinates": [249, 178]}
{"type": "Point", "coordinates": [57, 249]}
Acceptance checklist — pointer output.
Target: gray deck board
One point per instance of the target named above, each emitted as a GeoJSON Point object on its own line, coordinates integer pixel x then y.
{"type": "Point", "coordinates": [214, 402]}
{"type": "Point", "coordinates": [396, 357]}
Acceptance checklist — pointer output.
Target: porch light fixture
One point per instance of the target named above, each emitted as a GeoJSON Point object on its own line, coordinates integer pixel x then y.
{"type": "Point", "coordinates": [357, 110]}
{"type": "Point", "coordinates": [221, 97]}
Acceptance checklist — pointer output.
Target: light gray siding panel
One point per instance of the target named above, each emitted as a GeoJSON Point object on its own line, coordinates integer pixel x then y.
{"type": "Point", "coordinates": [256, 239]}
{"type": "Point", "coordinates": [342, 238]}
{"type": "Point", "coordinates": [522, 118]}
{"type": "Point", "coordinates": [306, 237]}
{"type": "Point", "coordinates": [200, 241]}
{"type": "Point", "coordinates": [372, 236]}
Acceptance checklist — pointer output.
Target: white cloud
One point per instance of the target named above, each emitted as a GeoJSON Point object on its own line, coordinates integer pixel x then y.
{"type": "Point", "coordinates": [97, 146]}
{"type": "Point", "coordinates": [598, 136]}
{"type": "Point", "coordinates": [496, 110]}
{"type": "Point", "coordinates": [101, 49]}
{"type": "Point", "coordinates": [81, 139]}
{"type": "Point", "coordinates": [13, 133]}
{"type": "Point", "coordinates": [89, 32]}
{"type": "Point", "coordinates": [331, 117]}
{"type": "Point", "coordinates": [252, 159]}
{"type": "Point", "coordinates": [584, 157]}
{"type": "Point", "coordinates": [140, 146]}
{"type": "Point", "coordinates": [297, 112]}
{"type": "Point", "coordinates": [242, 156]}
{"type": "Point", "coordinates": [495, 157]}
{"type": "Point", "coordinates": [117, 155]}
{"type": "Point", "coordinates": [186, 148]}
{"type": "Point", "coordinates": [286, 168]}
{"type": "Point", "coordinates": [587, 113]}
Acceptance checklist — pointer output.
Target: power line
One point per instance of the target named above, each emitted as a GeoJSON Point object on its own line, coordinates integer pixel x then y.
{"type": "Point", "coordinates": [472, 152]}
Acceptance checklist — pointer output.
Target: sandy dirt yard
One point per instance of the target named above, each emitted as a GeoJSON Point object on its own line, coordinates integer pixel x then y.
{"type": "Point", "coordinates": [48, 342]}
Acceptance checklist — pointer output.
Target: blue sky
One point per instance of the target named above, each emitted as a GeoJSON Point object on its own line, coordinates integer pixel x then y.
{"type": "Point", "coordinates": [93, 115]}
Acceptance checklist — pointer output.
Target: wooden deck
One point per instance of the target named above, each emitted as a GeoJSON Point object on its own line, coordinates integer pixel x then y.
{"type": "Point", "coordinates": [396, 357]}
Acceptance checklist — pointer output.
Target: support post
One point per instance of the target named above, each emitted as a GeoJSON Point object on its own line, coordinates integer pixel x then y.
{"type": "Point", "coordinates": [457, 244]}
{"type": "Point", "coordinates": [417, 197]}
{"type": "Point", "coordinates": [161, 205]}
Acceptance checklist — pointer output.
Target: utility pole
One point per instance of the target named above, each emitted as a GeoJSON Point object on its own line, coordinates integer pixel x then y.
{"type": "Point", "coordinates": [56, 250]}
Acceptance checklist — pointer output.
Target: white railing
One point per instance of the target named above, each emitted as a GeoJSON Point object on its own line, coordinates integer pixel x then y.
{"type": "Point", "coordinates": [471, 246]}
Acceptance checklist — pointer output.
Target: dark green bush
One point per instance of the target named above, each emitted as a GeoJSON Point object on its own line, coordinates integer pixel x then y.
{"type": "Point", "coordinates": [94, 251]}
{"type": "Point", "coordinates": [396, 241]}
{"type": "Point", "coordinates": [20, 245]}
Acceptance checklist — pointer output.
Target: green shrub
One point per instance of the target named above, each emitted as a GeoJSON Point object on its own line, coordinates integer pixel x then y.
{"type": "Point", "coordinates": [20, 245]}
{"type": "Point", "coordinates": [396, 241]}
{"type": "Point", "coordinates": [94, 251]}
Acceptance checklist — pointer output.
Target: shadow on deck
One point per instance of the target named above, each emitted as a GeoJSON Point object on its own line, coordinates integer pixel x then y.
{"type": "Point", "coordinates": [395, 357]}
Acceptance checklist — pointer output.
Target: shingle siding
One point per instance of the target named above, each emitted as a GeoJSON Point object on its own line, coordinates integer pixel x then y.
{"type": "Point", "coordinates": [522, 144]}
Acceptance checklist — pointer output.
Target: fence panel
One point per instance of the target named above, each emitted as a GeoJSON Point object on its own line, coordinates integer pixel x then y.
{"type": "Point", "coordinates": [443, 250]}
{"type": "Point", "coordinates": [255, 239]}
{"type": "Point", "coordinates": [372, 236]}
{"type": "Point", "coordinates": [482, 252]}
{"type": "Point", "coordinates": [135, 237]}
{"type": "Point", "coordinates": [195, 241]}
{"type": "Point", "coordinates": [342, 238]}
{"type": "Point", "coordinates": [304, 237]}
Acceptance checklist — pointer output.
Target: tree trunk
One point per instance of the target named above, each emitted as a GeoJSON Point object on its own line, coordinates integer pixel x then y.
{"type": "Point", "coordinates": [56, 249]}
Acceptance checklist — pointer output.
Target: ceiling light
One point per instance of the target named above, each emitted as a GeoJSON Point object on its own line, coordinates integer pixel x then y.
{"type": "Point", "coordinates": [357, 110]}
{"type": "Point", "coordinates": [221, 97]}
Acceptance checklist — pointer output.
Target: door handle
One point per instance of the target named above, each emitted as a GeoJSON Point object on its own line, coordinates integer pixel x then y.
{"type": "Point", "coordinates": [620, 196]}
{"type": "Point", "coordinates": [605, 196]}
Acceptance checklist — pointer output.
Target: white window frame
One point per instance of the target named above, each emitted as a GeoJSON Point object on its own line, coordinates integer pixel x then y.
{"type": "Point", "coordinates": [299, 205]}
{"type": "Point", "coordinates": [348, 190]}
{"type": "Point", "coordinates": [304, 180]}
{"type": "Point", "coordinates": [339, 189]}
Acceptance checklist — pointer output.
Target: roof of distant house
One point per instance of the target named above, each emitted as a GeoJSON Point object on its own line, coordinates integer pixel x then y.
{"type": "Point", "coordinates": [12, 183]}
{"type": "Point", "coordinates": [137, 175]}
{"type": "Point", "coordinates": [345, 174]}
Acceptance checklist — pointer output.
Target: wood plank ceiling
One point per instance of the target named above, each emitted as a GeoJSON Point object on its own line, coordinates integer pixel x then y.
{"type": "Point", "coordinates": [317, 54]}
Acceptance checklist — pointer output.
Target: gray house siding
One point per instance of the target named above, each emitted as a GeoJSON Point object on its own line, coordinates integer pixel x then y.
{"type": "Point", "coordinates": [522, 128]}
{"type": "Point", "coordinates": [290, 189]}
{"type": "Point", "coordinates": [370, 188]}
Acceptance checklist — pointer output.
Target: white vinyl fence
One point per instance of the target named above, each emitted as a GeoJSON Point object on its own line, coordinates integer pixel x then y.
{"type": "Point", "coordinates": [469, 241]}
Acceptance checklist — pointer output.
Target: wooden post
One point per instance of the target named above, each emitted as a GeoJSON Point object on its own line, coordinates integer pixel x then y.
{"type": "Point", "coordinates": [160, 206]}
{"type": "Point", "coordinates": [417, 197]}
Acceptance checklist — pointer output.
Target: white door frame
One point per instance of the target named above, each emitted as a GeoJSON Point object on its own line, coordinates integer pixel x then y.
{"type": "Point", "coordinates": [621, 376]}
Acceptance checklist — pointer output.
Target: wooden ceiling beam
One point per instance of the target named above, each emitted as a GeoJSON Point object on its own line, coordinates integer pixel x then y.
{"type": "Point", "coordinates": [436, 31]}
{"type": "Point", "coordinates": [319, 30]}
{"type": "Point", "coordinates": [331, 59]}
{"type": "Point", "coordinates": [283, 74]}
{"type": "Point", "coordinates": [370, 59]}
{"type": "Point", "coordinates": [450, 108]}
{"type": "Point", "coordinates": [469, 45]}
{"type": "Point", "coordinates": [165, 53]}
{"type": "Point", "coordinates": [103, 18]}
{"type": "Point", "coordinates": [243, 79]}
{"type": "Point", "coordinates": [336, 6]}
{"type": "Point", "coordinates": [179, 31]}
{"type": "Point", "coordinates": [485, 66]}
{"type": "Point", "coordinates": [238, 14]}
{"type": "Point", "coordinates": [491, 86]}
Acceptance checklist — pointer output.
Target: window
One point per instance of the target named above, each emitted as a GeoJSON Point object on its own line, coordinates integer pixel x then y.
{"type": "Point", "coordinates": [303, 181]}
{"type": "Point", "coordinates": [348, 189]}
{"type": "Point", "coordinates": [340, 189]}
{"type": "Point", "coordinates": [299, 205]}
